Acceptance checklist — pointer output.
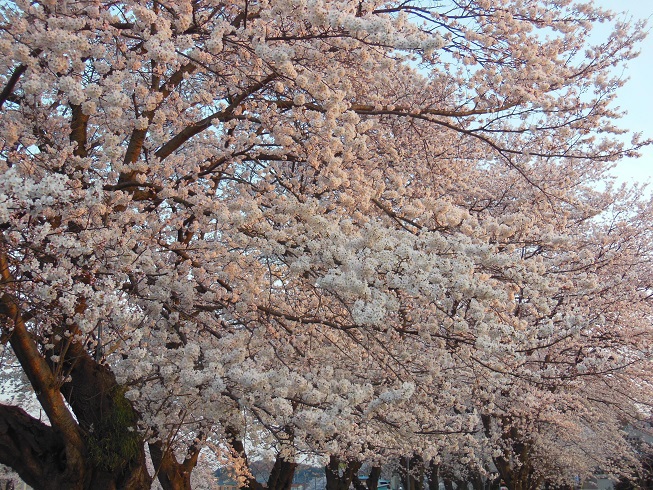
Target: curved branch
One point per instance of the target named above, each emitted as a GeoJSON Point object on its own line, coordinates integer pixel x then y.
{"type": "Point", "coordinates": [30, 447]}
{"type": "Point", "coordinates": [11, 84]}
{"type": "Point", "coordinates": [38, 372]}
{"type": "Point", "coordinates": [188, 132]}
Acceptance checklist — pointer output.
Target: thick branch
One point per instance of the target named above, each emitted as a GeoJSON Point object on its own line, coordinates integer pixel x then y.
{"type": "Point", "coordinates": [188, 132]}
{"type": "Point", "coordinates": [282, 474]}
{"type": "Point", "coordinates": [78, 130]}
{"type": "Point", "coordinates": [109, 419]}
{"type": "Point", "coordinates": [405, 110]}
{"type": "Point", "coordinates": [137, 138]}
{"type": "Point", "coordinates": [173, 475]}
{"type": "Point", "coordinates": [7, 92]}
{"type": "Point", "coordinates": [11, 84]}
{"type": "Point", "coordinates": [30, 447]}
{"type": "Point", "coordinates": [39, 374]}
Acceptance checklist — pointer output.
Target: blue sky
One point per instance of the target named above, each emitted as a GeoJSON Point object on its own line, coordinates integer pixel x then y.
{"type": "Point", "coordinates": [636, 96]}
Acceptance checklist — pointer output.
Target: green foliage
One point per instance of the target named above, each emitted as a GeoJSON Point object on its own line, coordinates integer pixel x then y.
{"type": "Point", "coordinates": [114, 441]}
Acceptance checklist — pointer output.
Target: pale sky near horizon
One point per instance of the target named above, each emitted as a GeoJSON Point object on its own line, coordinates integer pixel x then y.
{"type": "Point", "coordinates": [636, 97]}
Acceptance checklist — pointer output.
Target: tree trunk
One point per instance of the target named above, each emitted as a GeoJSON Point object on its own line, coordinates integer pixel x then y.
{"type": "Point", "coordinates": [282, 474]}
{"type": "Point", "coordinates": [115, 449]}
{"type": "Point", "coordinates": [434, 476]}
{"type": "Point", "coordinates": [98, 448]}
{"type": "Point", "coordinates": [476, 479]}
{"type": "Point", "coordinates": [519, 476]}
{"type": "Point", "coordinates": [65, 430]}
{"type": "Point", "coordinates": [358, 484]}
{"type": "Point", "coordinates": [37, 453]}
{"type": "Point", "coordinates": [31, 448]}
{"type": "Point", "coordinates": [412, 471]}
{"type": "Point", "coordinates": [372, 482]}
{"type": "Point", "coordinates": [171, 474]}
{"type": "Point", "coordinates": [336, 481]}
{"type": "Point", "coordinates": [238, 448]}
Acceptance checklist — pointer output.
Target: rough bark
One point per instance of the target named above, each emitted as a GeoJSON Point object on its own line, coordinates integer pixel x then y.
{"type": "Point", "coordinates": [38, 453]}
{"type": "Point", "coordinates": [116, 452]}
{"type": "Point", "coordinates": [476, 480]}
{"type": "Point", "coordinates": [171, 474]}
{"type": "Point", "coordinates": [72, 467]}
{"type": "Point", "coordinates": [31, 448]}
{"type": "Point", "coordinates": [518, 477]}
{"type": "Point", "coordinates": [99, 449]}
{"type": "Point", "coordinates": [8, 90]}
{"type": "Point", "coordinates": [78, 130]}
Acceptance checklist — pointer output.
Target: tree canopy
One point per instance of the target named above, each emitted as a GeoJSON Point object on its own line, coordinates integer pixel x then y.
{"type": "Point", "coordinates": [353, 231]}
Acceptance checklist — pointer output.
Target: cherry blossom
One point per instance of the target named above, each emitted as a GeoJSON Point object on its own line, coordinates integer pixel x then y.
{"type": "Point", "coordinates": [346, 231]}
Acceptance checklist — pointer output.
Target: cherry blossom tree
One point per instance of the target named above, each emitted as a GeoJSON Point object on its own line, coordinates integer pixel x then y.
{"type": "Point", "coordinates": [587, 384]}
{"type": "Point", "coordinates": [320, 227]}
